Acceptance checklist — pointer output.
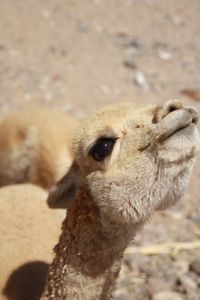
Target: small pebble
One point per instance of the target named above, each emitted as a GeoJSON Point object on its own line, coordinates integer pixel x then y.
{"type": "Point", "coordinates": [128, 63]}
{"type": "Point", "coordinates": [129, 41]}
{"type": "Point", "coordinates": [181, 267]}
{"type": "Point", "coordinates": [195, 266]}
{"type": "Point", "coordinates": [157, 284]}
{"type": "Point", "coordinates": [46, 14]}
{"type": "Point", "coordinates": [83, 26]}
{"type": "Point", "coordinates": [121, 294]}
{"type": "Point", "coordinates": [134, 42]}
{"type": "Point", "coordinates": [163, 55]}
{"type": "Point", "coordinates": [167, 295]}
{"type": "Point", "coordinates": [188, 283]}
{"type": "Point", "coordinates": [177, 20]}
{"type": "Point", "coordinates": [140, 80]}
{"type": "Point", "coordinates": [2, 47]}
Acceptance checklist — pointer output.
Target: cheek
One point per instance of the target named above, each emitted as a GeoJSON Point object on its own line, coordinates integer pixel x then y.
{"type": "Point", "coordinates": [123, 194]}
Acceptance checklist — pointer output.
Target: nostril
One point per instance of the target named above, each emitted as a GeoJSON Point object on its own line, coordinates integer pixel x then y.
{"type": "Point", "coordinates": [194, 112]}
{"type": "Point", "coordinates": [172, 107]}
{"type": "Point", "coordinates": [195, 120]}
{"type": "Point", "coordinates": [166, 109]}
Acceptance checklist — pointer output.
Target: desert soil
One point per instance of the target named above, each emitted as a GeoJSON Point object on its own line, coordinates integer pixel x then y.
{"type": "Point", "coordinates": [81, 55]}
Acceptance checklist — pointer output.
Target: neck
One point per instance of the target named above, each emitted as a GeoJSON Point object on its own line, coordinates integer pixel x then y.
{"type": "Point", "coordinates": [88, 256]}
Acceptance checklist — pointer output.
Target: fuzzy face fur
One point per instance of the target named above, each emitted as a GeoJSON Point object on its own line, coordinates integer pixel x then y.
{"type": "Point", "coordinates": [28, 232]}
{"type": "Point", "coordinates": [109, 200]}
{"type": "Point", "coordinates": [149, 166]}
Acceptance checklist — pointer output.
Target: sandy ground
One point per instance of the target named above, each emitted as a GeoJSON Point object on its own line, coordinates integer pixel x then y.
{"type": "Point", "coordinates": [81, 55]}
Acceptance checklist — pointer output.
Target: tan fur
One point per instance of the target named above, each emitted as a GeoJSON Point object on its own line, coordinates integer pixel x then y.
{"type": "Point", "coordinates": [28, 231]}
{"type": "Point", "coordinates": [109, 201]}
{"type": "Point", "coordinates": [35, 146]}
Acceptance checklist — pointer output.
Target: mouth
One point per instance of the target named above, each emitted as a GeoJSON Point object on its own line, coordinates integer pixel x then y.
{"type": "Point", "coordinates": [175, 122]}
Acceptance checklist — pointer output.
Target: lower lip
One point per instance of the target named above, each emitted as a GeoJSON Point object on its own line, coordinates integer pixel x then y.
{"type": "Point", "coordinates": [189, 127]}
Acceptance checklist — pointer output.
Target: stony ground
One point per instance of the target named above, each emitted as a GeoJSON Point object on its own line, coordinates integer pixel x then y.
{"type": "Point", "coordinates": [80, 55]}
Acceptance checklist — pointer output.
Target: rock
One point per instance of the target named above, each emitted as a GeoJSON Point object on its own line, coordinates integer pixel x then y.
{"type": "Point", "coordinates": [140, 80]}
{"type": "Point", "coordinates": [128, 63]}
{"type": "Point", "coordinates": [187, 284]}
{"type": "Point", "coordinates": [164, 55]}
{"type": "Point", "coordinates": [129, 41]}
{"type": "Point", "coordinates": [46, 14]}
{"type": "Point", "coordinates": [159, 45]}
{"type": "Point", "coordinates": [156, 284]}
{"type": "Point", "coordinates": [176, 20]}
{"type": "Point", "coordinates": [121, 294]}
{"type": "Point", "coordinates": [2, 47]}
{"type": "Point", "coordinates": [167, 295]}
{"type": "Point", "coordinates": [134, 43]}
{"type": "Point", "coordinates": [83, 26]}
{"type": "Point", "coordinates": [195, 266]}
{"type": "Point", "coordinates": [181, 267]}
{"type": "Point", "coordinates": [122, 297]}
{"type": "Point", "coordinates": [194, 217]}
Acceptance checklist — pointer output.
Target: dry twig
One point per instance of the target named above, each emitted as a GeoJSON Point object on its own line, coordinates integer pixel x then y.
{"type": "Point", "coordinates": [165, 248]}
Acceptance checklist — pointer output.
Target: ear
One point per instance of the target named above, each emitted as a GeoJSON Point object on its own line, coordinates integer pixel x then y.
{"type": "Point", "coordinates": [64, 192]}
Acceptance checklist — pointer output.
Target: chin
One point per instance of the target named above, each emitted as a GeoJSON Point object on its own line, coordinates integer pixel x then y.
{"type": "Point", "coordinates": [178, 188]}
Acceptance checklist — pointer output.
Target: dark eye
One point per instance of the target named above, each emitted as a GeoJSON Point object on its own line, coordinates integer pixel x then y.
{"type": "Point", "coordinates": [102, 148]}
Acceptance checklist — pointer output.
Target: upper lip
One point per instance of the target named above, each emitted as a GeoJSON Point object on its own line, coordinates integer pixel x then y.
{"type": "Point", "coordinates": [174, 122]}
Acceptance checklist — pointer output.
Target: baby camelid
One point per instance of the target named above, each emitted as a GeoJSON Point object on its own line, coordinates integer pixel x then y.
{"type": "Point", "coordinates": [128, 162]}
{"type": "Point", "coordinates": [28, 232]}
{"type": "Point", "coordinates": [35, 146]}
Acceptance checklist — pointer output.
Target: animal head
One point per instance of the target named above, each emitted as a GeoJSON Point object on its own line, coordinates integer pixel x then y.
{"type": "Point", "coordinates": [132, 159]}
